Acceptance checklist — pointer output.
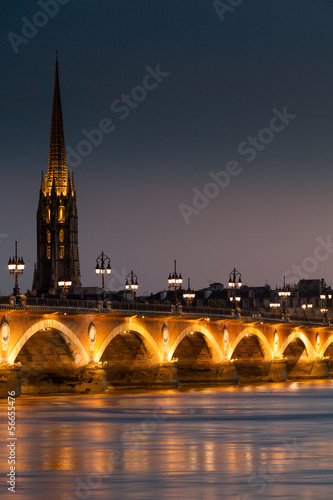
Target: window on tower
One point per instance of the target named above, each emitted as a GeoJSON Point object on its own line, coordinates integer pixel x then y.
{"type": "Point", "coordinates": [47, 214]}
{"type": "Point", "coordinates": [61, 252]}
{"type": "Point", "coordinates": [48, 236]}
{"type": "Point", "coordinates": [48, 252]}
{"type": "Point", "coordinates": [61, 235]}
{"type": "Point", "coordinates": [61, 214]}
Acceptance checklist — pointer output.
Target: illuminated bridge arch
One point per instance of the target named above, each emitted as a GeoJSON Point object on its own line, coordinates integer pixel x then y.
{"type": "Point", "coordinates": [78, 352]}
{"type": "Point", "coordinates": [216, 352]}
{"type": "Point", "coordinates": [145, 337]}
{"type": "Point", "coordinates": [264, 344]}
{"type": "Point", "coordinates": [327, 344]}
{"type": "Point", "coordinates": [301, 336]}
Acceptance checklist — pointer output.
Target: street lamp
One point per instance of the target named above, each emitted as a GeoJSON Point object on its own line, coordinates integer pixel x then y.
{"type": "Point", "coordinates": [235, 301]}
{"type": "Point", "coordinates": [103, 265]}
{"type": "Point", "coordinates": [65, 285]}
{"type": "Point", "coordinates": [324, 310]}
{"type": "Point", "coordinates": [189, 295]}
{"type": "Point", "coordinates": [175, 281]}
{"type": "Point", "coordinates": [132, 284]}
{"type": "Point", "coordinates": [275, 306]}
{"type": "Point", "coordinates": [235, 281]}
{"type": "Point", "coordinates": [284, 294]}
{"type": "Point", "coordinates": [306, 307]}
{"type": "Point", "coordinates": [16, 268]}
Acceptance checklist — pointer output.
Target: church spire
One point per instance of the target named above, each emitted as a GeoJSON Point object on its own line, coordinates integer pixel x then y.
{"type": "Point", "coordinates": [57, 166]}
{"type": "Point", "coordinates": [57, 217]}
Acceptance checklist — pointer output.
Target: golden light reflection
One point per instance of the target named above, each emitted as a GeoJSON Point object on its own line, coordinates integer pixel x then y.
{"type": "Point", "coordinates": [209, 456]}
{"type": "Point", "coordinates": [248, 457]}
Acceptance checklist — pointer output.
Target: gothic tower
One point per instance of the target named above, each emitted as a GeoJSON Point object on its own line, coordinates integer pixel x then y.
{"type": "Point", "coordinates": [57, 218]}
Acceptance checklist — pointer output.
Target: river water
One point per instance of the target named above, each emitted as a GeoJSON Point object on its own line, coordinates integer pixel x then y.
{"type": "Point", "coordinates": [272, 441]}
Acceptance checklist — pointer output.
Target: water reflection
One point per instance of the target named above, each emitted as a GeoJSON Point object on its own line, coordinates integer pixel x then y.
{"type": "Point", "coordinates": [267, 441]}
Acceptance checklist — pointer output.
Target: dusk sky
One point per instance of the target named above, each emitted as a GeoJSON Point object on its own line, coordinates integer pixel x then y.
{"type": "Point", "coordinates": [222, 78]}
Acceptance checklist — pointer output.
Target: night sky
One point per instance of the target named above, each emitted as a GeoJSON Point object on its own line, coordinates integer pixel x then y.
{"type": "Point", "coordinates": [222, 77]}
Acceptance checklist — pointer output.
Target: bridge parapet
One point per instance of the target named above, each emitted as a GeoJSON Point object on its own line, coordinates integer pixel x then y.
{"type": "Point", "coordinates": [35, 304]}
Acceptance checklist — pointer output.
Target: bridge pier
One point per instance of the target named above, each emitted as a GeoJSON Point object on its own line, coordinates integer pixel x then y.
{"type": "Point", "coordinates": [164, 376]}
{"type": "Point", "coordinates": [320, 369]}
{"type": "Point", "coordinates": [310, 369]}
{"type": "Point", "coordinates": [167, 376]}
{"type": "Point", "coordinates": [227, 373]}
{"type": "Point", "coordinates": [262, 371]}
{"type": "Point", "coordinates": [277, 371]}
{"type": "Point", "coordinates": [10, 380]}
{"type": "Point", "coordinates": [25, 380]}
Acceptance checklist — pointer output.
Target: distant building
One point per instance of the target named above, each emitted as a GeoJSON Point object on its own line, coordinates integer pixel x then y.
{"type": "Point", "coordinates": [57, 218]}
{"type": "Point", "coordinates": [311, 287]}
{"type": "Point", "coordinates": [216, 286]}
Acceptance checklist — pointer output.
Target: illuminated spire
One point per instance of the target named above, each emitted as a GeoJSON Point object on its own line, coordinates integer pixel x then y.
{"type": "Point", "coordinates": [57, 166]}
{"type": "Point", "coordinates": [42, 184]}
{"type": "Point", "coordinates": [72, 185]}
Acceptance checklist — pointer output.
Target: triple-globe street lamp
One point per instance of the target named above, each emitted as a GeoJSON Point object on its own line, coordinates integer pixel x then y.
{"type": "Point", "coordinates": [284, 294]}
{"type": "Point", "coordinates": [103, 265]}
{"type": "Point", "coordinates": [65, 286]}
{"type": "Point", "coordinates": [275, 306]}
{"type": "Point", "coordinates": [16, 267]}
{"type": "Point", "coordinates": [132, 284]}
{"type": "Point", "coordinates": [324, 310]}
{"type": "Point", "coordinates": [175, 281]}
{"type": "Point", "coordinates": [189, 294]}
{"type": "Point", "coordinates": [235, 281]}
{"type": "Point", "coordinates": [307, 307]}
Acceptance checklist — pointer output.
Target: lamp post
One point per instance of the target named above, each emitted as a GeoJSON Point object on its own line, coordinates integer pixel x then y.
{"type": "Point", "coordinates": [324, 309]}
{"type": "Point", "coordinates": [65, 285]}
{"type": "Point", "coordinates": [284, 294]}
{"type": "Point", "coordinates": [307, 307]}
{"type": "Point", "coordinates": [189, 295]}
{"type": "Point", "coordinates": [275, 306]}
{"type": "Point", "coordinates": [132, 284]}
{"type": "Point", "coordinates": [175, 281]}
{"type": "Point", "coordinates": [103, 265]}
{"type": "Point", "coordinates": [235, 281]}
{"type": "Point", "coordinates": [16, 267]}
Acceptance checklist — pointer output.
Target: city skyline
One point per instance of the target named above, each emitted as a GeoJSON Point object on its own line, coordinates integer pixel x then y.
{"type": "Point", "coordinates": [178, 173]}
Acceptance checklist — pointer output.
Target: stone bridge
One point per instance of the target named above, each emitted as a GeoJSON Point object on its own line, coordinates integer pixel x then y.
{"type": "Point", "coordinates": [63, 349]}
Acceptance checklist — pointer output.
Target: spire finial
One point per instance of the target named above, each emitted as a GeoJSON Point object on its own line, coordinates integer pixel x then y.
{"type": "Point", "coordinates": [57, 153]}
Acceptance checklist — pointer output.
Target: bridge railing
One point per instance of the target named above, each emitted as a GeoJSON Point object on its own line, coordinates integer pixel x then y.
{"type": "Point", "coordinates": [74, 304]}
{"type": "Point", "coordinates": [269, 315]}
{"type": "Point", "coordinates": [81, 306]}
